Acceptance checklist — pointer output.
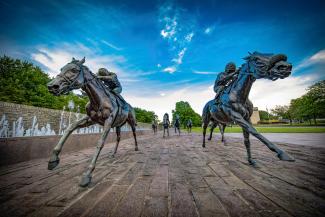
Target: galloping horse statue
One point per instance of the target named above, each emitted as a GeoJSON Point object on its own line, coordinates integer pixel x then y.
{"type": "Point", "coordinates": [154, 126]}
{"type": "Point", "coordinates": [234, 105]}
{"type": "Point", "coordinates": [189, 126]}
{"type": "Point", "coordinates": [104, 108]}
{"type": "Point", "coordinates": [177, 125]}
{"type": "Point", "coordinates": [166, 124]}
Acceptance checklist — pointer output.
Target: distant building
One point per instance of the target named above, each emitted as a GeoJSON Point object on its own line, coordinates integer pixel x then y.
{"type": "Point", "coordinates": [255, 118]}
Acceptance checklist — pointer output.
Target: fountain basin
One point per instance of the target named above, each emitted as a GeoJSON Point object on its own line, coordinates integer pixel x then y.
{"type": "Point", "coordinates": [19, 149]}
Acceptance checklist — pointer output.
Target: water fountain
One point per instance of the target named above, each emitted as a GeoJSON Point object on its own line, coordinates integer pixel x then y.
{"type": "Point", "coordinates": [18, 129]}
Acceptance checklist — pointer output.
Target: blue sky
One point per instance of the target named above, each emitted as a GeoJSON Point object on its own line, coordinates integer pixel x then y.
{"type": "Point", "coordinates": [166, 51]}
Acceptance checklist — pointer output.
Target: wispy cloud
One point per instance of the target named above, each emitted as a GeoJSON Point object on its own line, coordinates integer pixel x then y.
{"type": "Point", "coordinates": [178, 30]}
{"type": "Point", "coordinates": [189, 37]}
{"type": "Point", "coordinates": [180, 56]}
{"type": "Point", "coordinates": [170, 69]}
{"type": "Point", "coordinates": [53, 59]}
{"type": "Point", "coordinates": [209, 30]}
{"type": "Point", "coordinates": [111, 45]}
{"type": "Point", "coordinates": [204, 72]}
{"type": "Point", "coordinates": [318, 57]}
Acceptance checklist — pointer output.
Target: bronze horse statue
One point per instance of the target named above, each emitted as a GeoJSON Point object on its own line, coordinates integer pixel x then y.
{"type": "Point", "coordinates": [166, 124]}
{"type": "Point", "coordinates": [177, 125]}
{"type": "Point", "coordinates": [154, 126]}
{"type": "Point", "coordinates": [234, 105]}
{"type": "Point", "coordinates": [189, 126]}
{"type": "Point", "coordinates": [104, 108]}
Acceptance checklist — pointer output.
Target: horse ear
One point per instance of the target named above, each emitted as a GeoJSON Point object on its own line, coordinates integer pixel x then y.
{"type": "Point", "coordinates": [83, 60]}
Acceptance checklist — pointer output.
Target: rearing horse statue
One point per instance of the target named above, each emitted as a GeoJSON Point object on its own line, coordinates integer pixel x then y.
{"type": "Point", "coordinates": [104, 108]}
{"type": "Point", "coordinates": [234, 105]}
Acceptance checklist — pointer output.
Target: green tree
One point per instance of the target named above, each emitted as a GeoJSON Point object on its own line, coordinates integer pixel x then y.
{"type": "Point", "coordinates": [145, 116]}
{"type": "Point", "coordinates": [283, 112]}
{"type": "Point", "coordinates": [185, 112]}
{"type": "Point", "coordinates": [22, 82]}
{"type": "Point", "coordinates": [264, 115]}
{"type": "Point", "coordinates": [311, 105]}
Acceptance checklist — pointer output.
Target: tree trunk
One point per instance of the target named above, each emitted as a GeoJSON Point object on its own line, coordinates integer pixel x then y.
{"type": "Point", "coordinates": [314, 116]}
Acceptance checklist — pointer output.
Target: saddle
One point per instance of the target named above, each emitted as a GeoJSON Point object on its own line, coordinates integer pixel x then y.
{"type": "Point", "coordinates": [118, 98]}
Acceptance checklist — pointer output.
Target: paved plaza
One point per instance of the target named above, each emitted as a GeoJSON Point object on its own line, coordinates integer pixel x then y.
{"type": "Point", "coordinates": [174, 176]}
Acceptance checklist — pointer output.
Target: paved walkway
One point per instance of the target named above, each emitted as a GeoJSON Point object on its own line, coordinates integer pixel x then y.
{"type": "Point", "coordinates": [309, 139]}
{"type": "Point", "coordinates": [170, 177]}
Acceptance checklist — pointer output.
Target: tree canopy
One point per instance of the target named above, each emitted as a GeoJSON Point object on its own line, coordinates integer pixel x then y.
{"type": "Point", "coordinates": [23, 83]}
{"type": "Point", "coordinates": [309, 106]}
{"type": "Point", "coordinates": [145, 116]}
{"type": "Point", "coordinates": [185, 112]}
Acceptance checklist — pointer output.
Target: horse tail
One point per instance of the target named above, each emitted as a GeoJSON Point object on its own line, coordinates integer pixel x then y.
{"type": "Point", "coordinates": [206, 113]}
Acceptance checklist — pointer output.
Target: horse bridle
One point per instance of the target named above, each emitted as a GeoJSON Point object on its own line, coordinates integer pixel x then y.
{"type": "Point", "coordinates": [71, 83]}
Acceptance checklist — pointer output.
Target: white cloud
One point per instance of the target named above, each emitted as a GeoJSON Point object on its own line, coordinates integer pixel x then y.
{"type": "Point", "coordinates": [319, 57]}
{"type": "Point", "coordinates": [204, 72]}
{"type": "Point", "coordinates": [158, 65]}
{"type": "Point", "coordinates": [170, 69]}
{"type": "Point", "coordinates": [189, 37]}
{"type": "Point", "coordinates": [55, 59]}
{"type": "Point", "coordinates": [266, 93]}
{"type": "Point", "coordinates": [178, 30]}
{"type": "Point", "coordinates": [180, 55]}
{"type": "Point", "coordinates": [169, 29]}
{"type": "Point", "coordinates": [209, 30]}
{"type": "Point", "coordinates": [111, 45]}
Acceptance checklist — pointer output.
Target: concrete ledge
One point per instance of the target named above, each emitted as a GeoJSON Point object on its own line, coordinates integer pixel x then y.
{"type": "Point", "coordinates": [19, 149]}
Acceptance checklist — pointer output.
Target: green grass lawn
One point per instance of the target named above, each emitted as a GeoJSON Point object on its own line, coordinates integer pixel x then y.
{"type": "Point", "coordinates": [236, 129]}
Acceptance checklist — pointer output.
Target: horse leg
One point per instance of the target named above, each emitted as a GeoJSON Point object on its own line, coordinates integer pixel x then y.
{"type": "Point", "coordinates": [135, 138]}
{"type": "Point", "coordinates": [86, 178]}
{"type": "Point", "coordinates": [222, 128]}
{"type": "Point", "coordinates": [211, 131]}
{"type": "Point", "coordinates": [282, 155]}
{"type": "Point", "coordinates": [205, 125]}
{"type": "Point", "coordinates": [118, 138]}
{"type": "Point", "coordinates": [132, 122]}
{"type": "Point", "coordinates": [54, 159]}
{"type": "Point", "coordinates": [248, 148]}
{"type": "Point", "coordinates": [167, 131]}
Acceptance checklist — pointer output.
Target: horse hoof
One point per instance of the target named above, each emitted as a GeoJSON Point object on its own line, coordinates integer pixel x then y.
{"type": "Point", "coordinates": [209, 139]}
{"type": "Point", "coordinates": [252, 163]}
{"type": "Point", "coordinates": [52, 164]}
{"type": "Point", "coordinates": [136, 149]}
{"type": "Point", "coordinates": [85, 180]}
{"type": "Point", "coordinates": [285, 157]}
{"type": "Point", "coordinates": [203, 146]}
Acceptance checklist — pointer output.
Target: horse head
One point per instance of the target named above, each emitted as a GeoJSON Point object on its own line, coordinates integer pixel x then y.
{"type": "Point", "coordinates": [269, 66]}
{"type": "Point", "coordinates": [71, 77]}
